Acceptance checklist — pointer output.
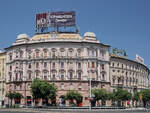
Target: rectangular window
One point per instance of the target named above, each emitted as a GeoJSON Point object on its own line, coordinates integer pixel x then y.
{"type": "Point", "coordinates": [45, 64]}
{"type": "Point", "coordinates": [62, 86]}
{"type": "Point", "coordinates": [29, 65]}
{"type": "Point", "coordinates": [88, 65]}
{"type": "Point", "coordinates": [10, 57]}
{"type": "Point", "coordinates": [102, 66]}
{"type": "Point", "coordinates": [29, 77]}
{"type": "Point", "coordinates": [53, 65]}
{"type": "Point", "coordinates": [54, 76]}
{"type": "Point", "coordinates": [37, 65]}
{"type": "Point", "coordinates": [92, 53]}
{"type": "Point", "coordinates": [10, 68]}
{"type": "Point", "coordinates": [37, 54]}
{"type": "Point", "coordinates": [53, 54]}
{"type": "Point", "coordinates": [71, 75]}
{"type": "Point", "coordinates": [79, 65]}
{"type": "Point", "coordinates": [93, 65]}
{"type": "Point", "coordinates": [62, 77]}
{"type": "Point", "coordinates": [79, 75]}
{"type": "Point", "coordinates": [45, 77]}
{"type": "Point", "coordinates": [21, 54]}
{"type": "Point", "coordinates": [62, 64]}
{"type": "Point", "coordinates": [45, 54]}
{"type": "Point", "coordinates": [103, 77]}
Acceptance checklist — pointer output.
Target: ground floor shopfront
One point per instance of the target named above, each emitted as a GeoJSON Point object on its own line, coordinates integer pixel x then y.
{"type": "Point", "coordinates": [83, 87]}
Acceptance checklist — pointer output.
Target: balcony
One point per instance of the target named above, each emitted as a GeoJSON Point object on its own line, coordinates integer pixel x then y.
{"type": "Point", "coordinates": [17, 80]}
{"type": "Point", "coordinates": [120, 85]}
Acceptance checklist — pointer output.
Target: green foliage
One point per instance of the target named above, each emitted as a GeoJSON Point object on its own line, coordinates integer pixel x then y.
{"type": "Point", "coordinates": [42, 89]}
{"type": "Point", "coordinates": [135, 97]}
{"type": "Point", "coordinates": [122, 95]}
{"type": "Point", "coordinates": [10, 95]}
{"type": "Point", "coordinates": [14, 95]}
{"type": "Point", "coordinates": [74, 95]}
{"type": "Point", "coordinates": [146, 95]}
{"type": "Point", "coordinates": [99, 94]}
{"type": "Point", "coordinates": [17, 95]}
{"type": "Point", "coordinates": [110, 96]}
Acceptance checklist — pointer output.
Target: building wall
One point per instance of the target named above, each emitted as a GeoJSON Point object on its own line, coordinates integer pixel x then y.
{"type": "Point", "coordinates": [128, 74]}
{"type": "Point", "coordinates": [2, 77]}
{"type": "Point", "coordinates": [69, 65]}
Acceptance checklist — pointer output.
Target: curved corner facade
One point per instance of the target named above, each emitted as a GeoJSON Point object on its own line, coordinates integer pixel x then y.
{"type": "Point", "coordinates": [128, 74]}
{"type": "Point", "coordinates": [66, 60]}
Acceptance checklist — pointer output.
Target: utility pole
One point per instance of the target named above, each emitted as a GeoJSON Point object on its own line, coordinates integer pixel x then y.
{"type": "Point", "coordinates": [90, 93]}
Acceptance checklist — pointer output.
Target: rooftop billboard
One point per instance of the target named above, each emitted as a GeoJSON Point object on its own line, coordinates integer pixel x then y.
{"type": "Point", "coordinates": [55, 19]}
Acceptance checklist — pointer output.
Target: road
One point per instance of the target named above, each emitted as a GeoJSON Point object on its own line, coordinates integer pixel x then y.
{"type": "Point", "coordinates": [69, 111]}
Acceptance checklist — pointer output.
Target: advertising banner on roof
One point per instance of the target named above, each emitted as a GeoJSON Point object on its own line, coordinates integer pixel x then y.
{"type": "Point", "coordinates": [139, 59]}
{"type": "Point", "coordinates": [55, 19]}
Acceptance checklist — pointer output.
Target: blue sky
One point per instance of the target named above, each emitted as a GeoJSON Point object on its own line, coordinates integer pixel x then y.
{"type": "Point", "coordinates": [120, 23]}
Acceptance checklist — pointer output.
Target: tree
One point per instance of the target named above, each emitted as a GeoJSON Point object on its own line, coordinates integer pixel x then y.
{"type": "Point", "coordinates": [10, 95]}
{"type": "Point", "coordinates": [99, 94]}
{"type": "Point", "coordinates": [122, 95]}
{"type": "Point", "coordinates": [41, 89]}
{"type": "Point", "coordinates": [18, 95]}
{"type": "Point", "coordinates": [146, 96]}
{"type": "Point", "coordinates": [14, 95]}
{"type": "Point", "coordinates": [74, 95]}
{"type": "Point", "coordinates": [135, 97]}
{"type": "Point", "coordinates": [111, 96]}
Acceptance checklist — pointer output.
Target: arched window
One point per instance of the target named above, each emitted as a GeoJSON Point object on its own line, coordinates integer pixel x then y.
{"type": "Point", "coordinates": [53, 52]}
{"type": "Point", "coordinates": [62, 52]}
{"type": "Point", "coordinates": [70, 52]}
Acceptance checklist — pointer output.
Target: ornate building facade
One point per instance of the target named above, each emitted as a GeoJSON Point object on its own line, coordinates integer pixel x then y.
{"type": "Point", "coordinates": [128, 74]}
{"type": "Point", "coordinates": [2, 77]}
{"type": "Point", "coordinates": [65, 59]}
